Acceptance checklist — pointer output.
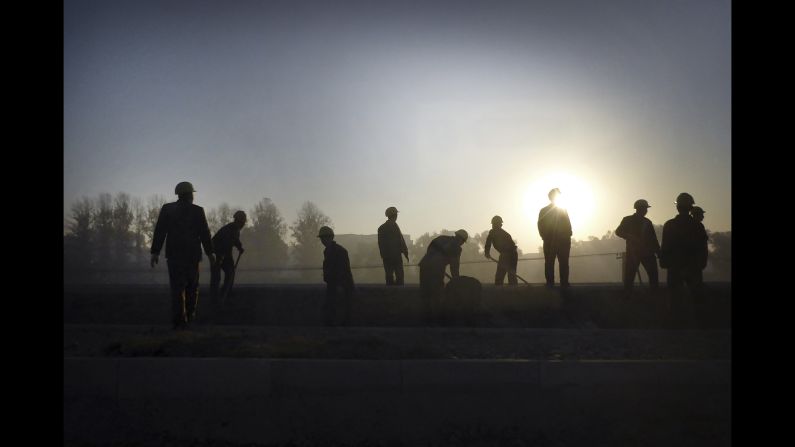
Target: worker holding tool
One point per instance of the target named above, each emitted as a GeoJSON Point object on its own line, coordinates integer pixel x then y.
{"type": "Point", "coordinates": [642, 245]}
{"type": "Point", "coordinates": [442, 251]}
{"type": "Point", "coordinates": [509, 255]}
{"type": "Point", "coordinates": [223, 241]}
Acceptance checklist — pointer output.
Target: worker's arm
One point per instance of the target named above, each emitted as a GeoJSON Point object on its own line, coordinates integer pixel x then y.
{"type": "Point", "coordinates": [159, 238]}
{"type": "Point", "coordinates": [487, 248]}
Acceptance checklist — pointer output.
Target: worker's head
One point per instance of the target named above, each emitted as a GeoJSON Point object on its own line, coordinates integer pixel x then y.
{"type": "Point", "coordinates": [240, 218]}
{"type": "Point", "coordinates": [684, 203]}
{"type": "Point", "coordinates": [641, 207]}
{"type": "Point", "coordinates": [391, 213]}
{"type": "Point", "coordinates": [326, 235]}
{"type": "Point", "coordinates": [462, 236]}
{"type": "Point", "coordinates": [553, 194]}
{"type": "Point", "coordinates": [185, 191]}
{"type": "Point", "coordinates": [496, 222]}
{"type": "Point", "coordinates": [698, 213]}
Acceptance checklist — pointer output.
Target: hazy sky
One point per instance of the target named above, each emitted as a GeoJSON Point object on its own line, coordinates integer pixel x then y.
{"type": "Point", "coordinates": [450, 111]}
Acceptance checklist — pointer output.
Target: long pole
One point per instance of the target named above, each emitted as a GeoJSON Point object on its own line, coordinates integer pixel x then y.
{"type": "Point", "coordinates": [234, 270]}
{"type": "Point", "coordinates": [511, 271]}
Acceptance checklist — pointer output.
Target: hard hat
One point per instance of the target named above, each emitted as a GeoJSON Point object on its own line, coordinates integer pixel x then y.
{"type": "Point", "coordinates": [496, 220]}
{"type": "Point", "coordinates": [239, 215]}
{"type": "Point", "coordinates": [183, 188]}
{"type": "Point", "coordinates": [325, 232]}
{"type": "Point", "coordinates": [462, 234]}
{"type": "Point", "coordinates": [552, 192]}
{"type": "Point", "coordinates": [391, 211]}
{"type": "Point", "coordinates": [685, 199]}
{"type": "Point", "coordinates": [641, 203]}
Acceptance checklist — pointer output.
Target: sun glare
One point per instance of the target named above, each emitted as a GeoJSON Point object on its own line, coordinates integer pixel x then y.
{"type": "Point", "coordinates": [576, 196]}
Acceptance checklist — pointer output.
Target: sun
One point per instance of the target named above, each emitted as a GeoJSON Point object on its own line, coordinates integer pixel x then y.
{"type": "Point", "coordinates": [576, 197]}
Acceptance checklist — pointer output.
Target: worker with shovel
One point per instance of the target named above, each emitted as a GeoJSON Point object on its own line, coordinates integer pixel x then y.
{"type": "Point", "coordinates": [442, 251]}
{"type": "Point", "coordinates": [509, 256]}
{"type": "Point", "coordinates": [223, 241]}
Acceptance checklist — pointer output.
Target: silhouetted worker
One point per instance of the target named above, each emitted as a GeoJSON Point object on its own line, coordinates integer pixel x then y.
{"type": "Point", "coordinates": [337, 275]}
{"type": "Point", "coordinates": [391, 245]}
{"type": "Point", "coordinates": [554, 227]}
{"type": "Point", "coordinates": [183, 227]}
{"type": "Point", "coordinates": [642, 245]}
{"type": "Point", "coordinates": [684, 241]}
{"type": "Point", "coordinates": [683, 251]}
{"type": "Point", "coordinates": [509, 256]}
{"type": "Point", "coordinates": [442, 251]}
{"type": "Point", "coordinates": [223, 241]}
{"type": "Point", "coordinates": [698, 214]}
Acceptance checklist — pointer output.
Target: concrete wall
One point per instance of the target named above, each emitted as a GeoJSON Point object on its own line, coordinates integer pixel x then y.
{"type": "Point", "coordinates": [400, 402]}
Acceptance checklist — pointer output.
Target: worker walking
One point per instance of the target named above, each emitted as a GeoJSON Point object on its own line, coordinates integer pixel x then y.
{"type": "Point", "coordinates": [182, 226]}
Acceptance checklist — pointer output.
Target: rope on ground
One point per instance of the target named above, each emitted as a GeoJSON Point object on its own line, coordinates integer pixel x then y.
{"type": "Point", "coordinates": [358, 267]}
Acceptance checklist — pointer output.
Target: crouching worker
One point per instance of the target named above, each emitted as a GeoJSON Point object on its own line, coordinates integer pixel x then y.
{"type": "Point", "coordinates": [442, 251]}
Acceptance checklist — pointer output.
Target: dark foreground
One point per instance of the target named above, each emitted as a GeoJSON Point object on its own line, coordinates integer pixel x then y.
{"type": "Point", "coordinates": [530, 366]}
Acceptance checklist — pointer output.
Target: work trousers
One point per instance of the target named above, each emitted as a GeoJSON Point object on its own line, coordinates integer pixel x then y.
{"type": "Point", "coordinates": [631, 264]}
{"type": "Point", "coordinates": [557, 249]}
{"type": "Point", "coordinates": [506, 264]}
{"type": "Point", "coordinates": [183, 279]}
{"type": "Point", "coordinates": [677, 278]}
{"type": "Point", "coordinates": [337, 304]}
{"type": "Point", "coordinates": [226, 264]}
{"type": "Point", "coordinates": [393, 270]}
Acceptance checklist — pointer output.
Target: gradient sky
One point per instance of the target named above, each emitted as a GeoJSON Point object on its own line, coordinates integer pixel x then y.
{"type": "Point", "coordinates": [450, 111]}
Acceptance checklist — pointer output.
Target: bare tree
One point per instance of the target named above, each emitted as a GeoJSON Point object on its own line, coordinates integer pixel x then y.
{"type": "Point", "coordinates": [212, 220]}
{"type": "Point", "coordinates": [78, 243]}
{"type": "Point", "coordinates": [139, 229]}
{"type": "Point", "coordinates": [264, 238]}
{"type": "Point", "coordinates": [153, 206]}
{"type": "Point", "coordinates": [103, 228]}
{"type": "Point", "coordinates": [307, 249]}
{"type": "Point", "coordinates": [224, 214]}
{"type": "Point", "coordinates": [80, 225]}
{"type": "Point", "coordinates": [122, 225]}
